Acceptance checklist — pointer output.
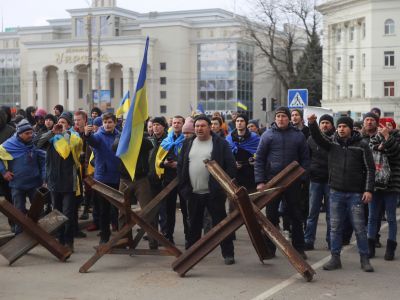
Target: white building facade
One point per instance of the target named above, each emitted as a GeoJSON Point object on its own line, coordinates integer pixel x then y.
{"type": "Point", "coordinates": [199, 56]}
{"type": "Point", "coordinates": [361, 56]}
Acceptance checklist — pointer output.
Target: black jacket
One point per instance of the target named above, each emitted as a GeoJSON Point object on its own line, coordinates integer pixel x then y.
{"type": "Point", "coordinates": [350, 163]}
{"type": "Point", "coordinates": [319, 161]}
{"type": "Point", "coordinates": [221, 153]}
{"type": "Point", "coordinates": [391, 148]}
{"type": "Point", "coordinates": [152, 175]}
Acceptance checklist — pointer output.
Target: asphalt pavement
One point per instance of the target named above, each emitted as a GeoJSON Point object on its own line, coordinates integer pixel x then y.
{"type": "Point", "coordinates": [39, 275]}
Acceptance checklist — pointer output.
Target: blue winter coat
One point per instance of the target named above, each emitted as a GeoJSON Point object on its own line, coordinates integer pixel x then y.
{"type": "Point", "coordinates": [277, 149]}
{"type": "Point", "coordinates": [106, 162]}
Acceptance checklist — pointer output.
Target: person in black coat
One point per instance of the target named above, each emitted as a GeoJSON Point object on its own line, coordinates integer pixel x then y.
{"type": "Point", "coordinates": [198, 187]}
{"type": "Point", "coordinates": [351, 180]}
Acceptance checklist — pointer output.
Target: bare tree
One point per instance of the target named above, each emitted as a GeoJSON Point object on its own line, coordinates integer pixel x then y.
{"type": "Point", "coordinates": [281, 30]}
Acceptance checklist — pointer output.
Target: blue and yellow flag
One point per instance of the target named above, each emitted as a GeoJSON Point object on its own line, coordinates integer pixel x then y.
{"type": "Point", "coordinates": [241, 105]}
{"type": "Point", "coordinates": [124, 105]}
{"type": "Point", "coordinates": [132, 133]}
{"type": "Point", "coordinates": [164, 148]}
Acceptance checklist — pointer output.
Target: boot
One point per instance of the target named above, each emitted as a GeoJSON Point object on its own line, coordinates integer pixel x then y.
{"type": "Point", "coordinates": [390, 248]}
{"type": "Point", "coordinates": [365, 265]}
{"type": "Point", "coordinates": [371, 248]}
{"type": "Point", "coordinates": [333, 264]}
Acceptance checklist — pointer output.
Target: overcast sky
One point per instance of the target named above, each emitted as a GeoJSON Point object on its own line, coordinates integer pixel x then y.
{"type": "Point", "coordinates": [36, 12]}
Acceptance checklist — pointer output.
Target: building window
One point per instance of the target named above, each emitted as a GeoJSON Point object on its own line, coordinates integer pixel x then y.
{"type": "Point", "coordinates": [80, 88]}
{"type": "Point", "coordinates": [389, 27]}
{"type": "Point", "coordinates": [112, 87]}
{"type": "Point", "coordinates": [363, 29]}
{"type": "Point", "coordinates": [363, 60]}
{"type": "Point", "coordinates": [122, 87]}
{"type": "Point", "coordinates": [163, 94]}
{"type": "Point", "coordinates": [388, 88]}
{"type": "Point", "coordinates": [163, 109]}
{"type": "Point", "coordinates": [163, 80]}
{"type": "Point", "coordinates": [79, 27]}
{"type": "Point", "coordinates": [338, 34]}
{"type": "Point", "coordinates": [104, 25]}
{"type": "Point", "coordinates": [389, 58]}
{"type": "Point", "coordinates": [338, 91]}
{"type": "Point", "coordinates": [350, 91]}
{"type": "Point", "coordinates": [388, 114]}
{"type": "Point", "coordinates": [351, 62]}
{"type": "Point", "coordinates": [338, 63]}
{"type": "Point", "coordinates": [67, 89]}
{"type": "Point", "coordinates": [363, 90]}
{"type": "Point", "coordinates": [163, 66]}
{"type": "Point", "coordinates": [351, 33]}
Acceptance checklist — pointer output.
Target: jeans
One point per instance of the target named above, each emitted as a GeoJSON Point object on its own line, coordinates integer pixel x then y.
{"type": "Point", "coordinates": [389, 199]}
{"type": "Point", "coordinates": [196, 205]}
{"type": "Point", "coordinates": [341, 203]}
{"type": "Point", "coordinates": [65, 203]}
{"type": "Point", "coordinates": [318, 191]}
{"type": "Point", "coordinates": [19, 201]}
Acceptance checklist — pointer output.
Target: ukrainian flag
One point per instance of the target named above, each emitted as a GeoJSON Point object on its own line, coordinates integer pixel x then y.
{"type": "Point", "coordinates": [132, 133]}
{"type": "Point", "coordinates": [241, 105]}
{"type": "Point", "coordinates": [124, 105]}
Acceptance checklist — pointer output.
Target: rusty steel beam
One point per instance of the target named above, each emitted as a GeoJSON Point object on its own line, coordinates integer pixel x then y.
{"type": "Point", "coordinates": [38, 202]}
{"type": "Point", "coordinates": [35, 231]}
{"type": "Point", "coordinates": [234, 221]}
{"type": "Point", "coordinates": [141, 219]}
{"type": "Point", "coordinates": [284, 246]}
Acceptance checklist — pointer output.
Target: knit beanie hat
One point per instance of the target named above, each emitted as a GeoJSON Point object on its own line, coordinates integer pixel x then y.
{"type": "Point", "coordinates": [23, 126]}
{"type": "Point", "coordinates": [98, 122]}
{"type": "Point", "coordinates": [345, 120]}
{"type": "Point", "coordinates": [371, 115]}
{"type": "Point", "coordinates": [244, 117]}
{"type": "Point", "coordinates": [376, 110]}
{"type": "Point", "coordinates": [326, 117]}
{"type": "Point", "coordinates": [255, 122]}
{"type": "Point", "coordinates": [301, 113]}
{"type": "Point", "coordinates": [188, 127]}
{"type": "Point", "coordinates": [383, 121]}
{"type": "Point", "coordinates": [41, 113]}
{"type": "Point", "coordinates": [283, 110]}
{"type": "Point", "coordinates": [67, 116]}
{"type": "Point", "coordinates": [161, 121]}
{"type": "Point", "coordinates": [52, 117]}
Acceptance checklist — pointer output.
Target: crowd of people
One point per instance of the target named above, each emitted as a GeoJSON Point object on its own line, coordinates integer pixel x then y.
{"type": "Point", "coordinates": [352, 173]}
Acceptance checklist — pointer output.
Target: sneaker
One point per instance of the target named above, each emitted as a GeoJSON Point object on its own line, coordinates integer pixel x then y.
{"type": "Point", "coordinates": [308, 247]}
{"type": "Point", "coordinates": [92, 227]}
{"type": "Point", "coordinates": [229, 260]}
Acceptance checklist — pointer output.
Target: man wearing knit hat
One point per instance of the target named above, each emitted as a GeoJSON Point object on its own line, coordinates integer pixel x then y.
{"type": "Point", "coordinates": [63, 147]}
{"type": "Point", "coordinates": [244, 145]}
{"type": "Point", "coordinates": [319, 187]}
{"type": "Point", "coordinates": [23, 166]}
{"type": "Point", "coordinates": [351, 180]}
{"type": "Point", "coordinates": [279, 146]}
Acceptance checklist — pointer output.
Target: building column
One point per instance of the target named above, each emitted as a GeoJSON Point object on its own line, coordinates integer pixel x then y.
{"type": "Point", "coordinates": [31, 89]}
{"type": "Point", "coordinates": [358, 61]}
{"type": "Point", "coordinates": [62, 93]}
{"type": "Point", "coordinates": [41, 89]}
{"type": "Point", "coordinates": [126, 75]}
{"type": "Point", "coordinates": [73, 90]}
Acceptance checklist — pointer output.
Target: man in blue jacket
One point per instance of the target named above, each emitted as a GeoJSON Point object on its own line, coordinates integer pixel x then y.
{"type": "Point", "coordinates": [22, 165]}
{"type": "Point", "coordinates": [107, 166]}
{"type": "Point", "coordinates": [279, 146]}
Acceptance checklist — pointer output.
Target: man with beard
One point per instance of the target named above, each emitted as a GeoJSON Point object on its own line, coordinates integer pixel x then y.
{"type": "Point", "coordinates": [319, 188]}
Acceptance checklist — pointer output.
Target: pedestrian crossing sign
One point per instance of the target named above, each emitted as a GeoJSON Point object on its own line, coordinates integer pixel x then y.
{"type": "Point", "coordinates": [297, 98]}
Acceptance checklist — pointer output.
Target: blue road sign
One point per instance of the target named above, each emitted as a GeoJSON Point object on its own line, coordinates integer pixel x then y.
{"type": "Point", "coordinates": [297, 98]}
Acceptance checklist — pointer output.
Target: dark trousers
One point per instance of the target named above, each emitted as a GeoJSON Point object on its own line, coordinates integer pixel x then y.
{"type": "Point", "coordinates": [216, 207]}
{"type": "Point", "coordinates": [19, 201]}
{"type": "Point", "coordinates": [65, 203]}
{"type": "Point", "coordinates": [105, 213]}
{"type": "Point", "coordinates": [170, 209]}
{"type": "Point", "coordinates": [294, 211]}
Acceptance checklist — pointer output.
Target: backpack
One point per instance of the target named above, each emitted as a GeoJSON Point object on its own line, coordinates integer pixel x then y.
{"type": "Point", "coordinates": [382, 170]}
